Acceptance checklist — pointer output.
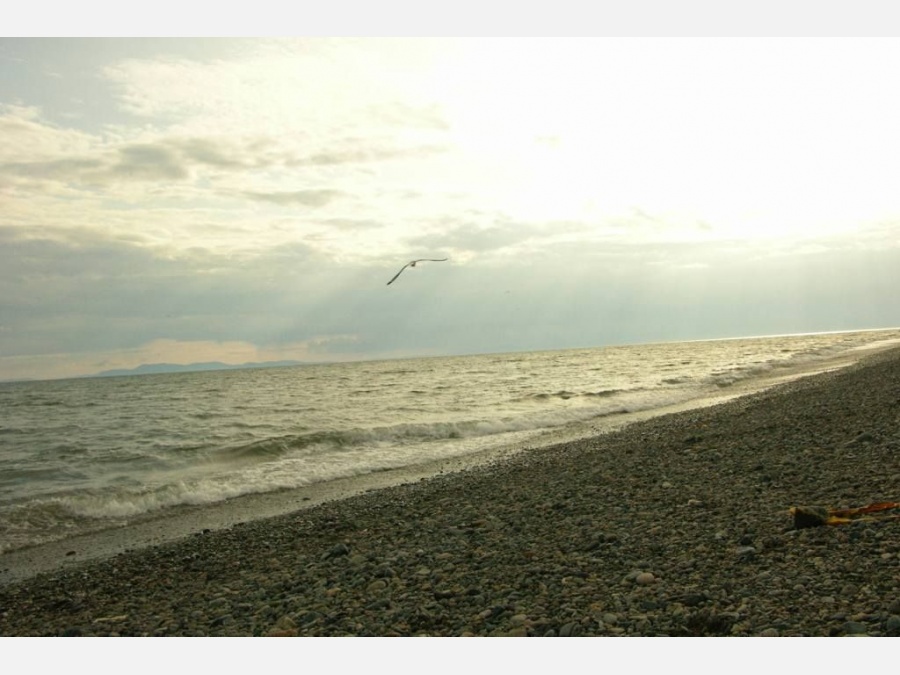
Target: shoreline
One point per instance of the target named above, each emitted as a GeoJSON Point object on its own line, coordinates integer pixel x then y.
{"type": "Point", "coordinates": [183, 522]}
{"type": "Point", "coordinates": [673, 525]}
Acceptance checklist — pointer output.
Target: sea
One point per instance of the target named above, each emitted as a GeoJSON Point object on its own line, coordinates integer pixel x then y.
{"type": "Point", "coordinates": [84, 455]}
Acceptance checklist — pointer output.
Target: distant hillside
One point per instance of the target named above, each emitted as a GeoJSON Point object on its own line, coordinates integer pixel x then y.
{"type": "Point", "coordinates": [154, 368]}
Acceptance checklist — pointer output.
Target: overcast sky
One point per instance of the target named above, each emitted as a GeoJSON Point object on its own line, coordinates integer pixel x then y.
{"type": "Point", "coordinates": [182, 200]}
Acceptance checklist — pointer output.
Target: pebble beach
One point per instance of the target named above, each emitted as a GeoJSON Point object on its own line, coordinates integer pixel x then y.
{"type": "Point", "coordinates": [677, 525]}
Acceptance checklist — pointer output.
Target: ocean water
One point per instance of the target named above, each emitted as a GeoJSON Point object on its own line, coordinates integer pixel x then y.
{"type": "Point", "coordinates": [84, 455]}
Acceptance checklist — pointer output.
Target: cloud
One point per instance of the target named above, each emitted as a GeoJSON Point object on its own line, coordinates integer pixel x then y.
{"type": "Point", "coordinates": [281, 85]}
{"type": "Point", "coordinates": [495, 235]}
{"type": "Point", "coordinates": [213, 152]}
{"type": "Point", "coordinates": [75, 168]}
{"type": "Point", "coordinates": [93, 298]}
{"type": "Point", "coordinates": [171, 160]}
{"type": "Point", "coordinates": [359, 153]}
{"type": "Point", "coordinates": [63, 290]}
{"type": "Point", "coordinates": [149, 162]}
{"type": "Point", "coordinates": [28, 138]}
{"type": "Point", "coordinates": [304, 197]}
{"type": "Point", "coordinates": [351, 224]}
{"type": "Point", "coordinates": [36, 153]}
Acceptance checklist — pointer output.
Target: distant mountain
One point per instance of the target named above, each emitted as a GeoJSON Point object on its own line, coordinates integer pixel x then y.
{"type": "Point", "coordinates": [154, 368]}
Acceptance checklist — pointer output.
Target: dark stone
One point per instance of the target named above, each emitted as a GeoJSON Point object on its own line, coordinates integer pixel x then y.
{"type": "Point", "coordinates": [746, 553]}
{"type": "Point", "coordinates": [310, 617]}
{"type": "Point", "coordinates": [854, 628]}
{"type": "Point", "coordinates": [572, 629]}
{"type": "Point", "coordinates": [336, 551]}
{"type": "Point", "coordinates": [705, 622]}
{"type": "Point", "coordinates": [863, 437]}
{"type": "Point", "coordinates": [694, 599]}
{"type": "Point", "coordinates": [892, 626]}
{"type": "Point", "coordinates": [224, 620]}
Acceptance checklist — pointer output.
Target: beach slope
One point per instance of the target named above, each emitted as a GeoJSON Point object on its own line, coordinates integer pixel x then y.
{"type": "Point", "coordinates": [677, 525]}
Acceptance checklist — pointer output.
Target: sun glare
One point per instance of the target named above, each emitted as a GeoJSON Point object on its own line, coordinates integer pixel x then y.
{"type": "Point", "coordinates": [592, 130]}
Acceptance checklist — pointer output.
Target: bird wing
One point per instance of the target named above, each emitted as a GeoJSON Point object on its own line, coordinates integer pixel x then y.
{"type": "Point", "coordinates": [399, 273]}
{"type": "Point", "coordinates": [413, 262]}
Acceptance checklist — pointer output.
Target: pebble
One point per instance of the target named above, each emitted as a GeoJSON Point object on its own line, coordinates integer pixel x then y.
{"type": "Point", "coordinates": [377, 586]}
{"type": "Point", "coordinates": [854, 628]}
{"type": "Point", "coordinates": [746, 552]}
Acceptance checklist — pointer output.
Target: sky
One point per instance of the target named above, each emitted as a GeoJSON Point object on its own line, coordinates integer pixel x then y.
{"type": "Point", "coordinates": [243, 200]}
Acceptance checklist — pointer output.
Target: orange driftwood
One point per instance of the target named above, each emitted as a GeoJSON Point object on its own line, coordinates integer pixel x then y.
{"type": "Point", "coordinates": [814, 516]}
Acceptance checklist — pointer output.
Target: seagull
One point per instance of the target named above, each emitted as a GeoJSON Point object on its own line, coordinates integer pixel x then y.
{"type": "Point", "coordinates": [412, 263]}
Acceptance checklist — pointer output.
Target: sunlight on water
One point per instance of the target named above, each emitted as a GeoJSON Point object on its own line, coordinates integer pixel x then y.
{"type": "Point", "coordinates": [86, 454]}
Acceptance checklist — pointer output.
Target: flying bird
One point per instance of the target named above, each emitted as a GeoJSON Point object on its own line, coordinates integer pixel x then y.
{"type": "Point", "coordinates": [412, 263]}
